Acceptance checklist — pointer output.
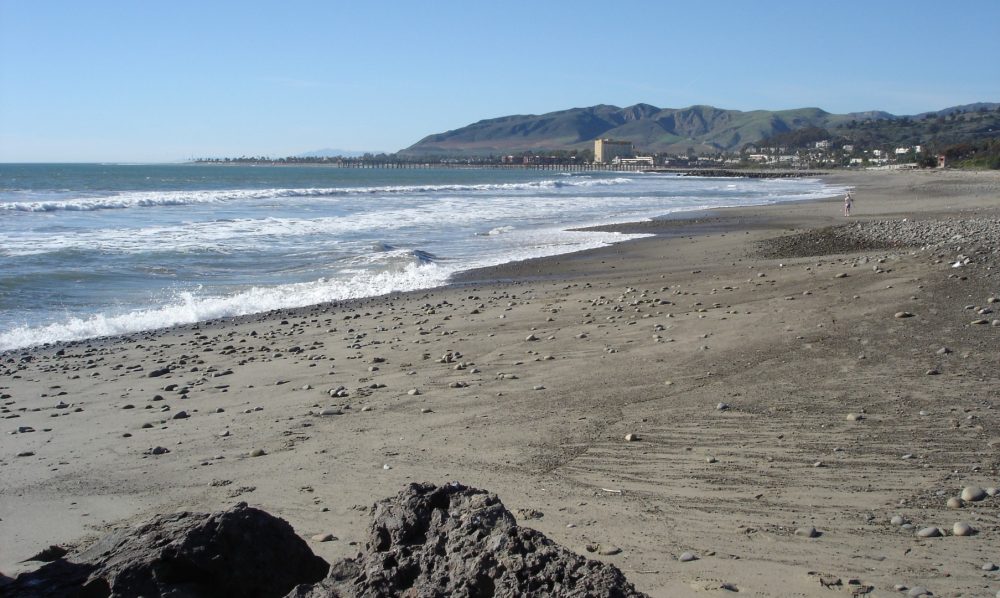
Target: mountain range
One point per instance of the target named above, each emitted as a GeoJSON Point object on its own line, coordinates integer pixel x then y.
{"type": "Point", "coordinates": [331, 153]}
{"type": "Point", "coordinates": [652, 129]}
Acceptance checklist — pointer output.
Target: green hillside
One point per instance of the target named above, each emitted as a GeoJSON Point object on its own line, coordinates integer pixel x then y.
{"type": "Point", "coordinates": [703, 128]}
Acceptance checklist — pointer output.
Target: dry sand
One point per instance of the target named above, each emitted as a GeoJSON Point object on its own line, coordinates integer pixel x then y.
{"type": "Point", "coordinates": [530, 375]}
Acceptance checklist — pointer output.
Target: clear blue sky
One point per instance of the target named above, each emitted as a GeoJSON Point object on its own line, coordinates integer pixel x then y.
{"type": "Point", "coordinates": [97, 80]}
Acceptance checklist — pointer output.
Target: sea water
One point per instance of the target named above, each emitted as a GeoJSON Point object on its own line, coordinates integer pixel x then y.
{"type": "Point", "coordinates": [90, 250]}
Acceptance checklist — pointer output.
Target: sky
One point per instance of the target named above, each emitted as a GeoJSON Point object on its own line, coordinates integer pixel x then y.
{"type": "Point", "coordinates": [126, 81]}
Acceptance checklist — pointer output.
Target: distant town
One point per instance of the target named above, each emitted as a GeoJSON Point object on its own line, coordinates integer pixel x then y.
{"type": "Point", "coordinates": [623, 155]}
{"type": "Point", "coordinates": [805, 139]}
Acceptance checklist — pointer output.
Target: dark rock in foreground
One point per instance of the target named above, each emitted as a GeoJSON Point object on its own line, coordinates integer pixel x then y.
{"type": "Point", "coordinates": [426, 541]}
{"type": "Point", "coordinates": [458, 541]}
{"type": "Point", "coordinates": [239, 552]}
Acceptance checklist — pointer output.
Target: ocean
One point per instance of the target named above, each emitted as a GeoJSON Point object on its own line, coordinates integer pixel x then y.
{"type": "Point", "coordinates": [89, 250]}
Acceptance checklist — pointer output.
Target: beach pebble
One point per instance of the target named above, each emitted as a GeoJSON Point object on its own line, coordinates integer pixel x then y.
{"type": "Point", "coordinates": [631, 437]}
{"type": "Point", "coordinates": [989, 567]}
{"type": "Point", "coordinates": [531, 337]}
{"type": "Point", "coordinates": [609, 550]}
{"type": "Point", "coordinates": [722, 406]}
{"type": "Point", "coordinates": [918, 591]}
{"type": "Point", "coordinates": [929, 532]}
{"type": "Point", "coordinates": [854, 417]}
{"type": "Point", "coordinates": [324, 538]}
{"type": "Point", "coordinates": [973, 493]}
{"type": "Point", "coordinates": [26, 454]}
{"type": "Point", "coordinates": [258, 453]}
{"type": "Point", "coordinates": [181, 415]}
{"type": "Point", "coordinates": [962, 528]}
{"type": "Point", "coordinates": [331, 411]}
{"type": "Point", "coordinates": [687, 557]}
{"type": "Point", "coordinates": [955, 503]}
{"type": "Point", "coordinates": [903, 314]}
{"type": "Point", "coordinates": [413, 392]}
{"type": "Point", "coordinates": [807, 532]}
{"type": "Point", "coordinates": [158, 450]}
{"type": "Point", "coordinates": [426, 410]}
{"type": "Point", "coordinates": [711, 459]}
{"type": "Point", "coordinates": [897, 520]}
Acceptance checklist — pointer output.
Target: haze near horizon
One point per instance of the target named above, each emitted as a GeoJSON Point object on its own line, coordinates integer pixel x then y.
{"type": "Point", "coordinates": [106, 81]}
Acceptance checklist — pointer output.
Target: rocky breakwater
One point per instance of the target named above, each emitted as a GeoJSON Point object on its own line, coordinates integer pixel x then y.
{"type": "Point", "coordinates": [428, 540]}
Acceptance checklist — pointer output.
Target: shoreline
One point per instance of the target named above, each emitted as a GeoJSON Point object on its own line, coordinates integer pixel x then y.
{"type": "Point", "coordinates": [530, 374]}
{"type": "Point", "coordinates": [682, 222]}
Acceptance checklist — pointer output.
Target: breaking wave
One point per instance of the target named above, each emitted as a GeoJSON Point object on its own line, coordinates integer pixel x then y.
{"type": "Point", "coordinates": [138, 199]}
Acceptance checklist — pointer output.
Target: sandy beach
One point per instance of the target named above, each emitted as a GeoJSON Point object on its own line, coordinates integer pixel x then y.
{"type": "Point", "coordinates": [786, 400]}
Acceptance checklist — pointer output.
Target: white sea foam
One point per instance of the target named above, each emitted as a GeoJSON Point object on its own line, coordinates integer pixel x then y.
{"type": "Point", "coordinates": [139, 199]}
{"type": "Point", "coordinates": [188, 307]}
{"type": "Point", "coordinates": [420, 271]}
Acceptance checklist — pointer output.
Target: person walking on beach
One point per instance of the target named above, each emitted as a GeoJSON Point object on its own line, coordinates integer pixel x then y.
{"type": "Point", "coordinates": [848, 201]}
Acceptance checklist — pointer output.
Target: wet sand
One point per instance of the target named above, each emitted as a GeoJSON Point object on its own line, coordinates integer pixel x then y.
{"type": "Point", "coordinates": [735, 365]}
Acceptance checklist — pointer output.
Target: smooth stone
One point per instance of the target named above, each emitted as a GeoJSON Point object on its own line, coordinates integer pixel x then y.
{"type": "Point", "coordinates": [955, 503]}
{"type": "Point", "coordinates": [531, 337]}
{"type": "Point", "coordinates": [609, 550]}
{"type": "Point", "coordinates": [929, 532]}
{"type": "Point", "coordinates": [903, 314]}
{"type": "Point", "coordinates": [181, 415]}
{"type": "Point", "coordinates": [331, 411]}
{"type": "Point", "coordinates": [918, 591]}
{"type": "Point", "coordinates": [687, 557]}
{"type": "Point", "coordinates": [853, 417]}
{"type": "Point", "coordinates": [324, 538]}
{"type": "Point", "coordinates": [722, 406]}
{"type": "Point", "coordinates": [413, 392]}
{"type": "Point", "coordinates": [807, 532]}
{"type": "Point", "coordinates": [897, 520]}
{"type": "Point", "coordinates": [991, 491]}
{"type": "Point", "coordinates": [631, 437]}
{"type": "Point", "coordinates": [973, 493]}
{"type": "Point", "coordinates": [258, 453]}
{"type": "Point", "coordinates": [962, 528]}
{"type": "Point", "coordinates": [711, 460]}
{"type": "Point", "coordinates": [989, 567]}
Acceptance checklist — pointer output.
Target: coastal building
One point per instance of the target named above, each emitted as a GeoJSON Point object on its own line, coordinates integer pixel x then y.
{"type": "Point", "coordinates": [638, 160]}
{"type": "Point", "coordinates": [606, 150]}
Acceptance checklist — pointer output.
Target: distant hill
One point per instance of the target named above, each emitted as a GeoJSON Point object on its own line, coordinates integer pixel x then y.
{"type": "Point", "coordinates": [652, 129]}
{"type": "Point", "coordinates": [331, 153]}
